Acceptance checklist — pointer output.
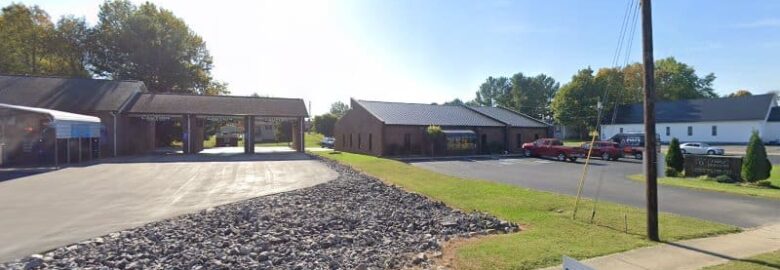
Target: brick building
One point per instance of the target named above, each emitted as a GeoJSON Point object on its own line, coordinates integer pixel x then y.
{"type": "Point", "coordinates": [129, 116]}
{"type": "Point", "coordinates": [392, 129]}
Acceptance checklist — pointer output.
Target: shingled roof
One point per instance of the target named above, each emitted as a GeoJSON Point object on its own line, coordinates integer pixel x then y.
{"type": "Point", "coordinates": [509, 117]}
{"type": "Point", "coordinates": [217, 105]}
{"type": "Point", "coordinates": [774, 115]}
{"type": "Point", "coordinates": [76, 95]}
{"type": "Point", "coordinates": [699, 110]}
{"type": "Point", "coordinates": [396, 113]}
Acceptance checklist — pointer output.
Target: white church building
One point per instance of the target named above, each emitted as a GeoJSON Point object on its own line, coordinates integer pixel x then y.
{"type": "Point", "coordinates": [718, 121]}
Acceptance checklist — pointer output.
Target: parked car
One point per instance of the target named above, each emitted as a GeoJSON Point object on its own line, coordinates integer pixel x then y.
{"type": "Point", "coordinates": [328, 142]}
{"type": "Point", "coordinates": [551, 147]}
{"type": "Point", "coordinates": [607, 150]}
{"type": "Point", "coordinates": [633, 144]}
{"type": "Point", "coordinates": [698, 148]}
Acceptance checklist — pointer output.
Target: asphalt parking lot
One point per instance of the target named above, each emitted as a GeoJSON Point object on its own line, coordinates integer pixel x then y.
{"type": "Point", "coordinates": [51, 209]}
{"type": "Point", "coordinates": [563, 177]}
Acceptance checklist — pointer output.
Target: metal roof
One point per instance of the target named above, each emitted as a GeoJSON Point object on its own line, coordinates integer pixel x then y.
{"type": "Point", "coordinates": [509, 117]}
{"type": "Point", "coordinates": [55, 114]}
{"type": "Point", "coordinates": [217, 105]}
{"type": "Point", "coordinates": [396, 113]}
{"type": "Point", "coordinates": [77, 95]}
{"type": "Point", "coordinates": [774, 115]}
{"type": "Point", "coordinates": [699, 110]}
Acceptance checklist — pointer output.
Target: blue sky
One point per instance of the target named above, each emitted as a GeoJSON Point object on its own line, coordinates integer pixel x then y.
{"type": "Point", "coordinates": [433, 51]}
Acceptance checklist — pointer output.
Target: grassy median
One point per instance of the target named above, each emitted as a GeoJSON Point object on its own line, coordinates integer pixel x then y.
{"type": "Point", "coordinates": [772, 192]}
{"type": "Point", "coordinates": [766, 261]}
{"type": "Point", "coordinates": [547, 228]}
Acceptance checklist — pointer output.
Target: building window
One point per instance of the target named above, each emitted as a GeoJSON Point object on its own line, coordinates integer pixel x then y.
{"type": "Point", "coordinates": [621, 130]}
{"type": "Point", "coordinates": [370, 142]}
{"type": "Point", "coordinates": [407, 141]}
{"type": "Point", "coordinates": [350, 140]}
{"type": "Point", "coordinates": [359, 141]}
{"type": "Point", "coordinates": [519, 138]}
{"type": "Point", "coordinates": [690, 131]}
{"type": "Point", "coordinates": [714, 130]}
{"type": "Point", "coordinates": [668, 131]}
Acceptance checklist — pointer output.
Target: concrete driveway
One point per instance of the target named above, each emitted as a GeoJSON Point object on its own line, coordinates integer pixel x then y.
{"type": "Point", "coordinates": [563, 177]}
{"type": "Point", "coordinates": [48, 210]}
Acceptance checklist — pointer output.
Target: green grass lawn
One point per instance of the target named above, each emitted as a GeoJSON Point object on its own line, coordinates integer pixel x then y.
{"type": "Point", "coordinates": [547, 228]}
{"type": "Point", "coordinates": [312, 139]}
{"type": "Point", "coordinates": [210, 142]}
{"type": "Point", "coordinates": [737, 188]}
{"type": "Point", "coordinates": [764, 261]}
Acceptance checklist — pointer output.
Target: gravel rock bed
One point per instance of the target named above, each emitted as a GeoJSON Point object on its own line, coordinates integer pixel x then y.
{"type": "Point", "coordinates": [353, 222]}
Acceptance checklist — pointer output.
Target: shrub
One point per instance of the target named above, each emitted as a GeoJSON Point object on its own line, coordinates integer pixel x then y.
{"type": "Point", "coordinates": [724, 179]}
{"type": "Point", "coordinates": [674, 157]}
{"type": "Point", "coordinates": [671, 172]}
{"type": "Point", "coordinates": [765, 183]}
{"type": "Point", "coordinates": [756, 166]}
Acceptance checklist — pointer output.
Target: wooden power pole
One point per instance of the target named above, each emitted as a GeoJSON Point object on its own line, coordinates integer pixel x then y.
{"type": "Point", "coordinates": [651, 166]}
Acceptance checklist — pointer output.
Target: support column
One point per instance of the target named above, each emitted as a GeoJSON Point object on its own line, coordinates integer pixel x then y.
{"type": "Point", "coordinates": [186, 137]}
{"type": "Point", "coordinates": [249, 134]}
{"type": "Point", "coordinates": [302, 132]}
{"type": "Point", "coordinates": [80, 148]}
{"type": "Point", "coordinates": [298, 134]}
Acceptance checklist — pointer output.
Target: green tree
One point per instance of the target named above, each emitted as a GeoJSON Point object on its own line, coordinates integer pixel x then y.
{"type": "Point", "coordinates": [533, 95]}
{"type": "Point", "coordinates": [575, 103]}
{"type": "Point", "coordinates": [741, 93]}
{"type": "Point", "coordinates": [495, 92]}
{"type": "Point", "coordinates": [339, 108]}
{"type": "Point", "coordinates": [25, 40]}
{"type": "Point", "coordinates": [325, 124]}
{"type": "Point", "coordinates": [755, 166]}
{"type": "Point", "coordinates": [150, 44]}
{"type": "Point", "coordinates": [674, 157]}
{"type": "Point", "coordinates": [673, 80]}
{"type": "Point", "coordinates": [456, 101]}
{"type": "Point", "coordinates": [70, 45]}
{"type": "Point", "coordinates": [216, 88]}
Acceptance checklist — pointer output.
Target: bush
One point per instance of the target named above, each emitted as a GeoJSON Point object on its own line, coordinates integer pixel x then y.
{"type": "Point", "coordinates": [671, 172]}
{"type": "Point", "coordinates": [765, 183]}
{"type": "Point", "coordinates": [724, 179]}
{"type": "Point", "coordinates": [756, 166]}
{"type": "Point", "coordinates": [674, 157]}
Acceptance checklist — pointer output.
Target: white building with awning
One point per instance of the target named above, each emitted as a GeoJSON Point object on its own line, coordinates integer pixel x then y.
{"type": "Point", "coordinates": [39, 133]}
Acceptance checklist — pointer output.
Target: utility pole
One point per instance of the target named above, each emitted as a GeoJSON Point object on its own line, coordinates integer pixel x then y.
{"type": "Point", "coordinates": [651, 166]}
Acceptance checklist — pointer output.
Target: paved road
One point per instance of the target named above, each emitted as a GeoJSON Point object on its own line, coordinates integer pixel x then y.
{"type": "Point", "coordinates": [562, 177]}
{"type": "Point", "coordinates": [52, 209]}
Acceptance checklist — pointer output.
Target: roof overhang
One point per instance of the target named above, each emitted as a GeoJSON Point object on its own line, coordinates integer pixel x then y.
{"type": "Point", "coordinates": [66, 125]}
{"type": "Point", "coordinates": [54, 114]}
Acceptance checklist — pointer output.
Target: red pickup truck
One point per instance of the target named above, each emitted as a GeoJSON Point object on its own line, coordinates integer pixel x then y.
{"type": "Point", "coordinates": [551, 147]}
{"type": "Point", "coordinates": [605, 149]}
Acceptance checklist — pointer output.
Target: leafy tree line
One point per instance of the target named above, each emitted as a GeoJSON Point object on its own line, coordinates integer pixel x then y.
{"type": "Point", "coordinates": [575, 103]}
{"type": "Point", "coordinates": [129, 42]}
{"type": "Point", "coordinates": [326, 122]}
